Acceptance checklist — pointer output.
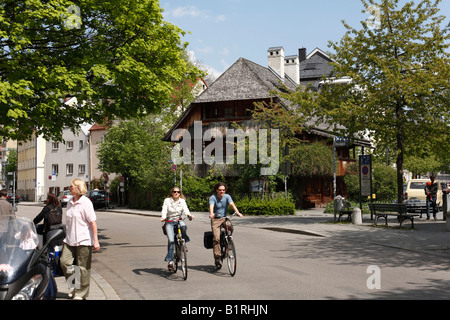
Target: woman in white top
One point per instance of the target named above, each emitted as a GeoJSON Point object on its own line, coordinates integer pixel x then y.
{"type": "Point", "coordinates": [174, 207]}
{"type": "Point", "coordinates": [81, 238]}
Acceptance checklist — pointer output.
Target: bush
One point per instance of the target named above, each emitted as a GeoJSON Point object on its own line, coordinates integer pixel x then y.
{"type": "Point", "coordinates": [197, 204]}
{"type": "Point", "coordinates": [266, 206]}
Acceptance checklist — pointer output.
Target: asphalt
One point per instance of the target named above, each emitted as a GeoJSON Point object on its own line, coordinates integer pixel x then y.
{"type": "Point", "coordinates": [429, 237]}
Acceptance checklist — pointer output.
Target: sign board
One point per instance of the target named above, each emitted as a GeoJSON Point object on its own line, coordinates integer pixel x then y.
{"type": "Point", "coordinates": [174, 168]}
{"type": "Point", "coordinates": [365, 175]}
{"type": "Point", "coordinates": [341, 141]}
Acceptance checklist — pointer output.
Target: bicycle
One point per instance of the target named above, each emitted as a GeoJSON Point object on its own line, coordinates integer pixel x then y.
{"type": "Point", "coordinates": [227, 248]}
{"type": "Point", "coordinates": [180, 252]}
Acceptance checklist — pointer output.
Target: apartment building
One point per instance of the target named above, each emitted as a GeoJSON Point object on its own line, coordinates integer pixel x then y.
{"type": "Point", "coordinates": [67, 160]}
{"type": "Point", "coordinates": [30, 169]}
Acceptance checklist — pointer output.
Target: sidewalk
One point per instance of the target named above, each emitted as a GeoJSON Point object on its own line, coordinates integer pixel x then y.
{"type": "Point", "coordinates": [99, 288]}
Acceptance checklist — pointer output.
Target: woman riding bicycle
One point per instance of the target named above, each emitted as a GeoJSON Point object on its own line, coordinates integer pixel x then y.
{"type": "Point", "coordinates": [218, 205]}
{"type": "Point", "coordinates": [173, 208]}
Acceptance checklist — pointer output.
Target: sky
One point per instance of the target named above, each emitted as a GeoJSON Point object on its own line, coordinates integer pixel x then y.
{"type": "Point", "coordinates": [220, 32]}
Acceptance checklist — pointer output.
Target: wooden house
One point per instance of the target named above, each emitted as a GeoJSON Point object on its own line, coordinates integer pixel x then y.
{"type": "Point", "coordinates": [231, 98]}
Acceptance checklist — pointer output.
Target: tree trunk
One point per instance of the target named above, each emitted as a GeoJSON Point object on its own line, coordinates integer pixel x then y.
{"type": "Point", "coordinates": [399, 161]}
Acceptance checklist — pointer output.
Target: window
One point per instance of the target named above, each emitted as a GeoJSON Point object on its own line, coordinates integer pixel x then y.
{"type": "Point", "coordinates": [228, 112]}
{"type": "Point", "coordinates": [69, 145]}
{"type": "Point", "coordinates": [69, 168]}
{"type": "Point", "coordinates": [81, 144]}
{"type": "Point", "coordinates": [55, 146]}
{"type": "Point", "coordinates": [81, 168]}
{"type": "Point", "coordinates": [55, 169]}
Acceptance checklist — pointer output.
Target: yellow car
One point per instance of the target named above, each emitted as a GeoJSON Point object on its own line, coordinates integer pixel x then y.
{"type": "Point", "coordinates": [415, 188]}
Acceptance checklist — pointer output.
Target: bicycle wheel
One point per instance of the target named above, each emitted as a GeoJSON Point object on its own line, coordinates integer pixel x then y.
{"type": "Point", "coordinates": [183, 259]}
{"type": "Point", "coordinates": [231, 257]}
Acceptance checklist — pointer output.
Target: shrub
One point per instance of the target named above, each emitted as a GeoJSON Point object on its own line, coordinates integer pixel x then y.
{"type": "Point", "coordinates": [266, 206]}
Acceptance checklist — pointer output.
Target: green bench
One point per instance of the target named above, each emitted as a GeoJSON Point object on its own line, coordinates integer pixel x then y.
{"type": "Point", "coordinates": [383, 210]}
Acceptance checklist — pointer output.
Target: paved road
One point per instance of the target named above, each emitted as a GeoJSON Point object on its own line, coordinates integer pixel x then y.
{"type": "Point", "coordinates": [271, 265]}
{"type": "Point", "coordinates": [276, 265]}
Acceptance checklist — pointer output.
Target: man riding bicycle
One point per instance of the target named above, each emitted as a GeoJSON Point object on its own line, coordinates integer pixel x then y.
{"type": "Point", "coordinates": [218, 205]}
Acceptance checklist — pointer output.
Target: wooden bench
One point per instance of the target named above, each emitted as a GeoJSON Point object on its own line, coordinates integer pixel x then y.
{"type": "Point", "coordinates": [384, 210]}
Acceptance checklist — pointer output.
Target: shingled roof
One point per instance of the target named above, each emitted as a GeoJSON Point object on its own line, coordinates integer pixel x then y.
{"type": "Point", "coordinates": [244, 80]}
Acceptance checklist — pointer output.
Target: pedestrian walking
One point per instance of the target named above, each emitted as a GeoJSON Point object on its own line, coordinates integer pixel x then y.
{"type": "Point", "coordinates": [6, 208]}
{"type": "Point", "coordinates": [218, 205]}
{"type": "Point", "coordinates": [81, 238]}
{"type": "Point", "coordinates": [174, 207]}
{"type": "Point", "coordinates": [431, 190]}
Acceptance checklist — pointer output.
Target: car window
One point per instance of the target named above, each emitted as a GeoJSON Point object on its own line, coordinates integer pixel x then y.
{"type": "Point", "coordinates": [417, 185]}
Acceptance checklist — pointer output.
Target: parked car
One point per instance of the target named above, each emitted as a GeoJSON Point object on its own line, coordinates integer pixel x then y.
{"type": "Point", "coordinates": [98, 197]}
{"type": "Point", "coordinates": [64, 197]}
{"type": "Point", "coordinates": [415, 188]}
{"type": "Point", "coordinates": [10, 198]}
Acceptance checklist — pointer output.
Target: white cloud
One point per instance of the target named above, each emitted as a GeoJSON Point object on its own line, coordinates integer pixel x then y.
{"type": "Point", "coordinates": [192, 11]}
{"type": "Point", "coordinates": [213, 73]}
{"type": "Point", "coordinates": [188, 11]}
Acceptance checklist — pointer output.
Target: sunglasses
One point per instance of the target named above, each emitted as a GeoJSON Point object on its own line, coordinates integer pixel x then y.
{"type": "Point", "coordinates": [175, 191]}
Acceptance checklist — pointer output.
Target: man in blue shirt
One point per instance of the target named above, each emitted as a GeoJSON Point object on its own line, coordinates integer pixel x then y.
{"type": "Point", "coordinates": [218, 205]}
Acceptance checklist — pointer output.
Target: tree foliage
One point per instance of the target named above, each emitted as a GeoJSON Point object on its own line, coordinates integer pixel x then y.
{"type": "Point", "coordinates": [134, 149]}
{"type": "Point", "coordinates": [312, 158]}
{"type": "Point", "coordinates": [399, 84]}
{"type": "Point", "coordinates": [118, 57]}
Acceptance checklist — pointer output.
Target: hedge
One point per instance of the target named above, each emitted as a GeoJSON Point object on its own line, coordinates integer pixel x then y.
{"type": "Point", "coordinates": [249, 206]}
{"type": "Point", "coordinates": [266, 206]}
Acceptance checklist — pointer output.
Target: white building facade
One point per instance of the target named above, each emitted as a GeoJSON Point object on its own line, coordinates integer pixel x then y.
{"type": "Point", "coordinates": [67, 160]}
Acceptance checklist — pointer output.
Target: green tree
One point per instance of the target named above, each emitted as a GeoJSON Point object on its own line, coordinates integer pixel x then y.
{"type": "Point", "coordinates": [400, 81]}
{"type": "Point", "coordinates": [10, 165]}
{"type": "Point", "coordinates": [118, 57]}
{"type": "Point", "coordinates": [134, 149]}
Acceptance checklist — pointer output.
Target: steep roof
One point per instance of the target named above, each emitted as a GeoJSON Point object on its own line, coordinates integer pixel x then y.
{"type": "Point", "coordinates": [316, 65]}
{"type": "Point", "coordinates": [244, 80]}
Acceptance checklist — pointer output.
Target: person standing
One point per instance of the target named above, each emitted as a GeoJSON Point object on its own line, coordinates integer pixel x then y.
{"type": "Point", "coordinates": [174, 207]}
{"type": "Point", "coordinates": [431, 193]}
{"type": "Point", "coordinates": [51, 214]}
{"type": "Point", "coordinates": [81, 238]}
{"type": "Point", "coordinates": [6, 208]}
{"type": "Point", "coordinates": [218, 205]}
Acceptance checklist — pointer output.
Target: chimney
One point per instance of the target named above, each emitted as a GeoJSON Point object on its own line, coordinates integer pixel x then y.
{"type": "Point", "coordinates": [292, 68]}
{"type": "Point", "coordinates": [275, 57]}
{"type": "Point", "coordinates": [302, 54]}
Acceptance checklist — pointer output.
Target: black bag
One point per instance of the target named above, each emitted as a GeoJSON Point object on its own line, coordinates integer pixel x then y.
{"type": "Point", "coordinates": [54, 217]}
{"type": "Point", "coordinates": [208, 240]}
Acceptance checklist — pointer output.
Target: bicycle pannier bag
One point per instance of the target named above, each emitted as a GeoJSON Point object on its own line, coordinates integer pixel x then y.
{"type": "Point", "coordinates": [208, 240]}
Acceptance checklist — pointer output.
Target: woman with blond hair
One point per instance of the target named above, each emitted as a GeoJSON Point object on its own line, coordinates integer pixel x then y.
{"type": "Point", "coordinates": [81, 238]}
{"type": "Point", "coordinates": [174, 207]}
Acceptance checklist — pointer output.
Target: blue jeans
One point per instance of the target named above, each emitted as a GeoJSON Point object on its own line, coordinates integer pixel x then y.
{"type": "Point", "coordinates": [170, 226]}
{"type": "Point", "coordinates": [431, 202]}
